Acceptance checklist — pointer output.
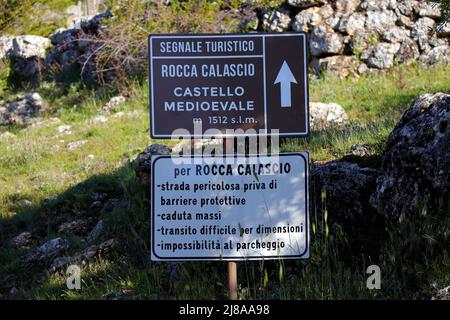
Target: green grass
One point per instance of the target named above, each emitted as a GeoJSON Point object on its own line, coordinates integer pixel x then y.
{"type": "Point", "coordinates": [36, 165]}
{"type": "Point", "coordinates": [40, 18]}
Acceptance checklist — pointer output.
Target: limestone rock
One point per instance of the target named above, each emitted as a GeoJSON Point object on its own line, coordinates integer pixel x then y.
{"type": "Point", "coordinates": [142, 164]}
{"type": "Point", "coordinates": [114, 102]}
{"type": "Point", "coordinates": [382, 55]}
{"type": "Point", "coordinates": [325, 41]}
{"type": "Point", "coordinates": [277, 21]}
{"type": "Point", "coordinates": [75, 144]}
{"type": "Point", "coordinates": [395, 34]}
{"type": "Point", "coordinates": [414, 168]}
{"type": "Point", "coordinates": [435, 56]}
{"type": "Point", "coordinates": [21, 108]}
{"type": "Point", "coordinates": [5, 46]}
{"type": "Point", "coordinates": [78, 226]}
{"type": "Point", "coordinates": [28, 46]}
{"type": "Point", "coordinates": [443, 30]}
{"type": "Point", "coordinates": [45, 252]}
{"type": "Point", "coordinates": [407, 52]}
{"type": "Point", "coordinates": [380, 20]}
{"type": "Point", "coordinates": [421, 31]}
{"type": "Point", "coordinates": [84, 256]}
{"type": "Point", "coordinates": [324, 115]}
{"type": "Point", "coordinates": [378, 5]}
{"type": "Point", "coordinates": [430, 10]}
{"type": "Point", "coordinates": [407, 7]}
{"type": "Point", "coordinates": [352, 23]}
{"type": "Point", "coordinates": [307, 19]}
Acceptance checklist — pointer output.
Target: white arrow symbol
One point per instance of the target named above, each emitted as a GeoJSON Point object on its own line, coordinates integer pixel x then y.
{"type": "Point", "coordinates": [284, 78]}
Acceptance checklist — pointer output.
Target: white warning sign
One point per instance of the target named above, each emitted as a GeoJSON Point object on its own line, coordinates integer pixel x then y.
{"type": "Point", "coordinates": [230, 208]}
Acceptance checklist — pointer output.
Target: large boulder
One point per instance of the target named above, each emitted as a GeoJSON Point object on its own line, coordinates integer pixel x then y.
{"type": "Point", "coordinates": [27, 54]}
{"type": "Point", "coordinates": [345, 188]}
{"type": "Point", "coordinates": [325, 115]}
{"type": "Point", "coordinates": [414, 169]}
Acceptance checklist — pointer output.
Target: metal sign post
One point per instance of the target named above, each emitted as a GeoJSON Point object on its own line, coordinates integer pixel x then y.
{"type": "Point", "coordinates": [233, 291]}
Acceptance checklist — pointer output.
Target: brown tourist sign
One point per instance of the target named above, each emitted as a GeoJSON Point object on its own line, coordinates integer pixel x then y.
{"type": "Point", "coordinates": [228, 82]}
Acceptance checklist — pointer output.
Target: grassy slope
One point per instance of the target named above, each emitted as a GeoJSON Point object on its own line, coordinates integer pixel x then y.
{"type": "Point", "coordinates": [35, 165]}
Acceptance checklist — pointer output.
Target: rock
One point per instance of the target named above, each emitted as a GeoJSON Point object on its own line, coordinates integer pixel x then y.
{"type": "Point", "coordinates": [64, 128]}
{"type": "Point", "coordinates": [443, 294]}
{"type": "Point", "coordinates": [443, 30]}
{"type": "Point", "coordinates": [430, 10]}
{"type": "Point", "coordinates": [68, 58]}
{"type": "Point", "coordinates": [382, 55]}
{"type": "Point", "coordinates": [407, 52]}
{"type": "Point", "coordinates": [114, 102]}
{"type": "Point", "coordinates": [5, 46]}
{"type": "Point", "coordinates": [395, 34]}
{"type": "Point", "coordinates": [84, 256]}
{"type": "Point", "coordinates": [64, 37]}
{"type": "Point", "coordinates": [21, 108]}
{"type": "Point", "coordinates": [326, 114]}
{"type": "Point", "coordinates": [22, 240]}
{"type": "Point", "coordinates": [378, 5]}
{"type": "Point", "coordinates": [78, 226]}
{"type": "Point", "coordinates": [363, 40]}
{"type": "Point", "coordinates": [404, 21]}
{"type": "Point", "coordinates": [420, 32]}
{"type": "Point", "coordinates": [362, 68]}
{"type": "Point", "coordinates": [28, 46]}
{"type": "Point", "coordinates": [142, 164]}
{"type": "Point", "coordinates": [96, 232]}
{"type": "Point", "coordinates": [341, 66]}
{"type": "Point", "coordinates": [303, 4]}
{"type": "Point", "coordinates": [352, 23]}
{"type": "Point", "coordinates": [347, 187]}
{"type": "Point", "coordinates": [346, 6]}
{"type": "Point", "coordinates": [380, 21]}
{"type": "Point", "coordinates": [27, 54]}
{"type": "Point", "coordinates": [324, 41]}
{"type": "Point", "coordinates": [407, 7]}
{"type": "Point", "coordinates": [45, 252]}
{"type": "Point", "coordinates": [75, 144]}
{"type": "Point", "coordinates": [414, 168]}
{"type": "Point", "coordinates": [307, 19]}
{"type": "Point", "coordinates": [435, 56]}
{"type": "Point", "coordinates": [276, 21]}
